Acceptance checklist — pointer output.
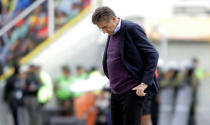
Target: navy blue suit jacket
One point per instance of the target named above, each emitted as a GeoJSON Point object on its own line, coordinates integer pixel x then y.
{"type": "Point", "coordinates": [138, 55]}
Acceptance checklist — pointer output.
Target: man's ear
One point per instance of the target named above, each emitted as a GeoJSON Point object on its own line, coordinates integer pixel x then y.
{"type": "Point", "coordinates": [114, 18]}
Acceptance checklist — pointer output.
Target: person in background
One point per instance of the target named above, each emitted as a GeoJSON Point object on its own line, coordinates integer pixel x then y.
{"type": "Point", "coordinates": [60, 19]}
{"type": "Point", "coordinates": [170, 80]}
{"type": "Point", "coordinates": [31, 88]}
{"type": "Point", "coordinates": [81, 75]}
{"type": "Point", "coordinates": [5, 17]}
{"type": "Point", "coordinates": [198, 74]}
{"type": "Point", "coordinates": [63, 93]}
{"type": "Point", "coordinates": [1, 50]}
{"type": "Point", "coordinates": [85, 108]}
{"type": "Point", "coordinates": [184, 96]}
{"type": "Point", "coordinates": [102, 104]}
{"type": "Point", "coordinates": [45, 92]}
{"type": "Point", "coordinates": [13, 92]}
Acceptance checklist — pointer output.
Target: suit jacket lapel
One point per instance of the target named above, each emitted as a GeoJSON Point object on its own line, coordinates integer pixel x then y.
{"type": "Point", "coordinates": [122, 39]}
{"type": "Point", "coordinates": [105, 57]}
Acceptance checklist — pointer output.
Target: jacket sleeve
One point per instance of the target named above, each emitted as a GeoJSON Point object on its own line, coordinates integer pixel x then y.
{"type": "Point", "coordinates": [147, 51]}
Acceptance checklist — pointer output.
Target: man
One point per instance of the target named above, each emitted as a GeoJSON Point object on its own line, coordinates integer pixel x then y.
{"type": "Point", "coordinates": [31, 87]}
{"type": "Point", "coordinates": [129, 62]}
{"type": "Point", "coordinates": [13, 93]}
{"type": "Point", "coordinates": [64, 95]}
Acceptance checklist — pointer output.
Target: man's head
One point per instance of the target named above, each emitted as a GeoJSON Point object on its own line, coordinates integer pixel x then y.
{"type": "Point", "coordinates": [80, 70]}
{"type": "Point", "coordinates": [32, 68]}
{"type": "Point", "coordinates": [66, 71]}
{"type": "Point", "coordinates": [105, 19]}
{"type": "Point", "coordinates": [195, 62]}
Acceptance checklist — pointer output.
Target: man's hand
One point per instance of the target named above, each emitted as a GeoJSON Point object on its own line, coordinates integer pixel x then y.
{"type": "Point", "coordinates": [140, 89]}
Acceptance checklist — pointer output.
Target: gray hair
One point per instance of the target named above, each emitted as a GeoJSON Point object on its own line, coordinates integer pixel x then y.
{"type": "Point", "coordinates": [102, 13]}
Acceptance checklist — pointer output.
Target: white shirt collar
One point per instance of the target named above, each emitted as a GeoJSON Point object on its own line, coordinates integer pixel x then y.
{"type": "Point", "coordinates": [118, 27]}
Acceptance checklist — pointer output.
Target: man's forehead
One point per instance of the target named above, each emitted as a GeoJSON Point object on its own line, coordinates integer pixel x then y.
{"type": "Point", "coordinates": [102, 23]}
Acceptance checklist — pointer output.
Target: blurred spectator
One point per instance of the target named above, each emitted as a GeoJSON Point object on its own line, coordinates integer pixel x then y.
{"type": "Point", "coordinates": [85, 108]}
{"type": "Point", "coordinates": [170, 79]}
{"type": "Point", "coordinates": [42, 33]}
{"type": "Point", "coordinates": [85, 3]}
{"type": "Point", "coordinates": [28, 46]}
{"type": "Point", "coordinates": [1, 49]}
{"type": "Point", "coordinates": [63, 93]}
{"type": "Point", "coordinates": [15, 52]}
{"type": "Point", "coordinates": [1, 68]}
{"type": "Point", "coordinates": [33, 26]}
{"type": "Point", "coordinates": [4, 49]}
{"type": "Point", "coordinates": [60, 19]}
{"type": "Point", "coordinates": [65, 6]}
{"type": "Point", "coordinates": [102, 103]}
{"type": "Point", "coordinates": [5, 17]}
{"type": "Point", "coordinates": [169, 82]}
{"type": "Point", "coordinates": [31, 88]}
{"type": "Point", "coordinates": [45, 91]}
{"type": "Point", "coordinates": [13, 93]}
{"type": "Point", "coordinates": [94, 74]}
{"type": "Point", "coordinates": [81, 75]}
{"type": "Point", "coordinates": [199, 73]}
{"type": "Point", "coordinates": [1, 45]}
{"type": "Point", "coordinates": [184, 97]}
{"type": "Point", "coordinates": [177, 95]}
{"type": "Point", "coordinates": [19, 32]}
{"type": "Point", "coordinates": [87, 104]}
{"type": "Point", "coordinates": [21, 5]}
{"type": "Point", "coordinates": [75, 10]}
{"type": "Point", "coordinates": [0, 7]}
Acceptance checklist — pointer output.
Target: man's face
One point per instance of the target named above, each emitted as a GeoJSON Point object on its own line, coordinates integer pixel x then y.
{"type": "Point", "coordinates": [66, 73]}
{"type": "Point", "coordinates": [108, 26]}
{"type": "Point", "coordinates": [79, 72]}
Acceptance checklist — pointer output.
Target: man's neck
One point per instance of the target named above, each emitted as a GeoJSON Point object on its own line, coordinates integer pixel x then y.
{"type": "Point", "coordinates": [118, 20]}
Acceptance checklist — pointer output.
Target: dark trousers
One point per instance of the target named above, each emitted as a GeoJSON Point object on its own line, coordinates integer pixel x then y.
{"type": "Point", "coordinates": [14, 110]}
{"type": "Point", "coordinates": [126, 108]}
{"type": "Point", "coordinates": [34, 109]}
